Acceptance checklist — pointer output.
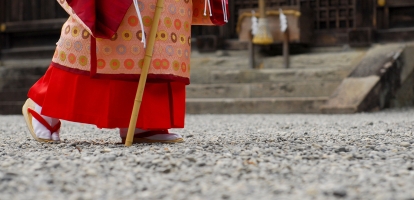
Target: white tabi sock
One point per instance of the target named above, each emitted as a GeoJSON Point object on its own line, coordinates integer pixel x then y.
{"type": "Point", "coordinates": [40, 130]}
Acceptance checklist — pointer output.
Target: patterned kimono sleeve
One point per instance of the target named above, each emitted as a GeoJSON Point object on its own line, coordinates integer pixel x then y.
{"type": "Point", "coordinates": [73, 15]}
{"type": "Point", "coordinates": [101, 18]}
{"type": "Point", "coordinates": [198, 14]}
{"type": "Point", "coordinates": [201, 12]}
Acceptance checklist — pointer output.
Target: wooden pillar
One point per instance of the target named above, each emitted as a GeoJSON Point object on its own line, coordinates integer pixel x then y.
{"type": "Point", "coordinates": [374, 18]}
{"type": "Point", "coordinates": [262, 9]}
{"type": "Point", "coordinates": [2, 20]}
{"type": "Point", "coordinates": [386, 17]}
{"type": "Point", "coordinates": [232, 20]}
{"type": "Point", "coordinates": [251, 52]}
{"type": "Point", "coordinates": [286, 56]}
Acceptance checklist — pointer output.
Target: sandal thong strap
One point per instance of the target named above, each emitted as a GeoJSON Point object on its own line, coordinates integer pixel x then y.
{"type": "Point", "coordinates": [150, 133]}
{"type": "Point", "coordinates": [43, 121]}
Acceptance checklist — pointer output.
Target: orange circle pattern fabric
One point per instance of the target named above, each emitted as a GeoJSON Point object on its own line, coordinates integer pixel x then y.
{"type": "Point", "coordinates": [124, 52]}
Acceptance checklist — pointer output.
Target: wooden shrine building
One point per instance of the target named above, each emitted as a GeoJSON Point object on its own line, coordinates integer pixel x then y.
{"type": "Point", "coordinates": [30, 28]}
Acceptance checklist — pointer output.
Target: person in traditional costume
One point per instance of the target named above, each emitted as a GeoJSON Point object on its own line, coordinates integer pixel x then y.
{"type": "Point", "coordinates": [95, 69]}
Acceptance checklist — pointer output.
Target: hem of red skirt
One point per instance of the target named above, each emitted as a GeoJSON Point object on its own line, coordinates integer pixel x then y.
{"type": "Point", "coordinates": [74, 97]}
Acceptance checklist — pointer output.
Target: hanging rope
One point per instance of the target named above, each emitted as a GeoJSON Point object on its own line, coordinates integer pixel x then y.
{"type": "Point", "coordinates": [143, 40]}
{"type": "Point", "coordinates": [224, 5]}
{"type": "Point", "coordinates": [205, 7]}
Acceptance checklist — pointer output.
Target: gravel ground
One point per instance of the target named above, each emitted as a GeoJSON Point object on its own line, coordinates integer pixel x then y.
{"type": "Point", "coordinates": [361, 156]}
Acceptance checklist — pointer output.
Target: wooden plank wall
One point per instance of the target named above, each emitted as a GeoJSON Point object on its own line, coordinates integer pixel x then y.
{"type": "Point", "coordinates": [333, 18]}
{"type": "Point", "coordinates": [364, 14]}
{"type": "Point", "coordinates": [396, 14]}
{"type": "Point", "coordinates": [334, 14]}
{"type": "Point", "coordinates": [27, 10]}
{"type": "Point", "coordinates": [2, 19]}
{"type": "Point", "coordinates": [29, 24]}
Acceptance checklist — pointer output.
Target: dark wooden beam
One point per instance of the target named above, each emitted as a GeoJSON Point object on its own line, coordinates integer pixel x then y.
{"type": "Point", "coordinates": [395, 35]}
{"type": "Point", "coordinates": [34, 25]}
{"type": "Point", "coordinates": [47, 9]}
{"type": "Point", "coordinates": [2, 20]}
{"type": "Point", "coordinates": [364, 13]}
{"type": "Point", "coordinates": [400, 3]}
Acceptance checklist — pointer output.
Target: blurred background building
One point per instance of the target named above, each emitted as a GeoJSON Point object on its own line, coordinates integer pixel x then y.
{"type": "Point", "coordinates": [30, 28]}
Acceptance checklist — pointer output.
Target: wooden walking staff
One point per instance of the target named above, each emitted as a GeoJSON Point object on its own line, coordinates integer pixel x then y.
{"type": "Point", "coordinates": [144, 73]}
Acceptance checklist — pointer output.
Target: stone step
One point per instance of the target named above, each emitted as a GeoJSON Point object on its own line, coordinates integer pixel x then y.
{"type": "Point", "coordinates": [9, 83]}
{"type": "Point", "coordinates": [13, 94]}
{"type": "Point", "coordinates": [254, 105]}
{"type": "Point", "coordinates": [240, 60]}
{"type": "Point", "coordinates": [19, 77]}
{"type": "Point", "coordinates": [344, 59]}
{"type": "Point", "coordinates": [206, 76]}
{"type": "Point", "coordinates": [11, 107]}
{"type": "Point", "coordinates": [255, 90]}
{"type": "Point", "coordinates": [374, 82]}
{"type": "Point", "coordinates": [23, 68]}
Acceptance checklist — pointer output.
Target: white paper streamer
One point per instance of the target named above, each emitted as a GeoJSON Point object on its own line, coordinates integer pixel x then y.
{"type": "Point", "coordinates": [144, 39]}
{"type": "Point", "coordinates": [283, 21]}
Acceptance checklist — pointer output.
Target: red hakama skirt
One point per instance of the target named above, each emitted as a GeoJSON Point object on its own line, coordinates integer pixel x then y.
{"type": "Point", "coordinates": [108, 103]}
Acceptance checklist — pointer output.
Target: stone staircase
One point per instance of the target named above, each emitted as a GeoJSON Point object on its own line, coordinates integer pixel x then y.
{"type": "Point", "coordinates": [16, 77]}
{"type": "Point", "coordinates": [222, 83]}
{"type": "Point", "coordinates": [382, 79]}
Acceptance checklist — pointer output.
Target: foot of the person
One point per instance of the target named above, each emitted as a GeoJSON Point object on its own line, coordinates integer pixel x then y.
{"type": "Point", "coordinates": [42, 128]}
{"type": "Point", "coordinates": [158, 136]}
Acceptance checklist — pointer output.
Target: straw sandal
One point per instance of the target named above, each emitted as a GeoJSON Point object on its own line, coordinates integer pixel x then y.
{"type": "Point", "coordinates": [28, 113]}
{"type": "Point", "coordinates": [156, 137]}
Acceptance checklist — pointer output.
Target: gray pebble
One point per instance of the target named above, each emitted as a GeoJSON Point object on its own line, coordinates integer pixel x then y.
{"type": "Point", "coordinates": [405, 144]}
{"type": "Point", "coordinates": [189, 151]}
{"type": "Point", "coordinates": [340, 193]}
